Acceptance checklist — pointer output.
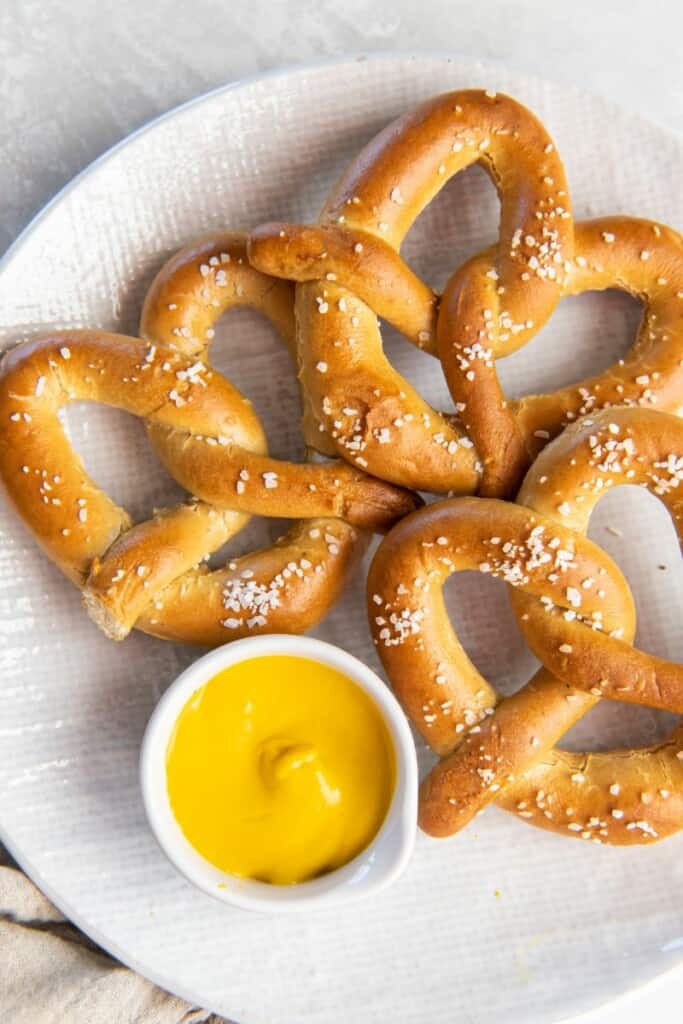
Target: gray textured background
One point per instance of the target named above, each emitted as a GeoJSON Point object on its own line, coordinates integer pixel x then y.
{"type": "Point", "coordinates": [76, 76]}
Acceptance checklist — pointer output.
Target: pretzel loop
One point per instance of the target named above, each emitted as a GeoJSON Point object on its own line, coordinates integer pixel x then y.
{"type": "Point", "coordinates": [576, 612]}
{"type": "Point", "coordinates": [619, 446]}
{"type": "Point", "coordinates": [640, 257]}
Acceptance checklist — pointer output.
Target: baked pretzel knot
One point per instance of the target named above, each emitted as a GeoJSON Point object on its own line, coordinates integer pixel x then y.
{"type": "Point", "coordinates": [350, 270]}
{"type": "Point", "coordinates": [152, 574]}
{"type": "Point", "coordinates": [577, 614]}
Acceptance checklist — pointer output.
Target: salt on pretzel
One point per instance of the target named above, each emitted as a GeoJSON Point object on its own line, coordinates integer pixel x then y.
{"type": "Point", "coordinates": [640, 257]}
{"type": "Point", "coordinates": [577, 613]}
{"type": "Point", "coordinates": [350, 269]}
{"type": "Point", "coordinates": [203, 281]}
{"type": "Point", "coordinates": [150, 574]}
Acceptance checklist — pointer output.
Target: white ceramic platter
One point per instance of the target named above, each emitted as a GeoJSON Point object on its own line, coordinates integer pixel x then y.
{"type": "Point", "coordinates": [573, 924]}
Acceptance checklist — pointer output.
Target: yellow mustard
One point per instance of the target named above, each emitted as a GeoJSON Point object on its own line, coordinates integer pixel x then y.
{"type": "Point", "coordinates": [280, 769]}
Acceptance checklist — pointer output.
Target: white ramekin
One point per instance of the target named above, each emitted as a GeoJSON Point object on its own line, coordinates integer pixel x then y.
{"type": "Point", "coordinates": [376, 866]}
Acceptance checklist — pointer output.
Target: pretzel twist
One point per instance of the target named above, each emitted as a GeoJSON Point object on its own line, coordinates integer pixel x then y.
{"type": "Point", "coordinates": [349, 269]}
{"type": "Point", "coordinates": [151, 575]}
{"type": "Point", "coordinates": [577, 614]}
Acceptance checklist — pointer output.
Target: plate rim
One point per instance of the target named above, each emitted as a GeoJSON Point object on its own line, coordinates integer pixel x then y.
{"type": "Point", "coordinates": [288, 70]}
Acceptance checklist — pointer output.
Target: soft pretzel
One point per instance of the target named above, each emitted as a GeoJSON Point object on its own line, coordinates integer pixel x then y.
{"type": "Point", "coordinates": [212, 441]}
{"type": "Point", "coordinates": [350, 270]}
{"type": "Point", "coordinates": [577, 613]}
{"type": "Point", "coordinates": [190, 293]}
{"type": "Point", "coordinates": [640, 257]}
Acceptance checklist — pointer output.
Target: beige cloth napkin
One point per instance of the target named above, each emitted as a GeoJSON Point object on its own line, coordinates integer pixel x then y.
{"type": "Point", "coordinates": [50, 973]}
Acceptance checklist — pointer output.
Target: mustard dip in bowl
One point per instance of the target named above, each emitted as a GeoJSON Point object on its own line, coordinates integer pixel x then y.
{"type": "Point", "coordinates": [279, 773]}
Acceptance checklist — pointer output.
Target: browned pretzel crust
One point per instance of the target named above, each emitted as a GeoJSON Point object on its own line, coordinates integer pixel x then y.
{"type": "Point", "coordinates": [350, 271]}
{"type": "Point", "coordinates": [577, 613]}
{"type": "Point", "coordinates": [640, 257]}
{"type": "Point", "coordinates": [208, 435]}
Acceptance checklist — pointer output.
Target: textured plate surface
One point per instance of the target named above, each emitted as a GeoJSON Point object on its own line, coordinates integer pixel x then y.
{"type": "Point", "coordinates": [573, 924]}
